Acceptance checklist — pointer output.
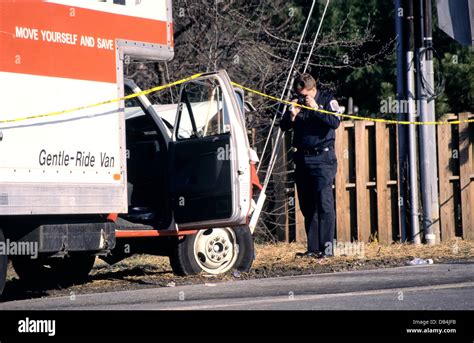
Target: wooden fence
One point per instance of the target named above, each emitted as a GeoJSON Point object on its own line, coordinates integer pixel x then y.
{"type": "Point", "coordinates": [366, 184]}
{"type": "Point", "coordinates": [456, 178]}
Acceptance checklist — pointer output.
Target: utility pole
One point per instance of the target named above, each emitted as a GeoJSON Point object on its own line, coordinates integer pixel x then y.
{"type": "Point", "coordinates": [401, 129]}
{"type": "Point", "coordinates": [426, 111]}
{"type": "Point", "coordinates": [412, 139]}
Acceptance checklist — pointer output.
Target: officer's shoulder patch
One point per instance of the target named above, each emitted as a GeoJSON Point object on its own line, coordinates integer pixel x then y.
{"type": "Point", "coordinates": [334, 105]}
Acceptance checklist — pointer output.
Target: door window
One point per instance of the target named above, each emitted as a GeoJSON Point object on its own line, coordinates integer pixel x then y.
{"type": "Point", "coordinates": [201, 110]}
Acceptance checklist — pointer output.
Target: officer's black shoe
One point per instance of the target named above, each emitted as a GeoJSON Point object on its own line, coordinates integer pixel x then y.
{"type": "Point", "coordinates": [300, 254]}
{"type": "Point", "coordinates": [308, 254]}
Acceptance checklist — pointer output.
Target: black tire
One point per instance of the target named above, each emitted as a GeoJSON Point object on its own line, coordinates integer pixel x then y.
{"type": "Point", "coordinates": [183, 258]}
{"type": "Point", "coordinates": [3, 265]}
{"type": "Point", "coordinates": [246, 249]}
{"type": "Point", "coordinates": [68, 270]}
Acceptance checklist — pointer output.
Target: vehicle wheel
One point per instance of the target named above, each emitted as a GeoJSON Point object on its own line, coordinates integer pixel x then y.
{"type": "Point", "coordinates": [213, 251]}
{"type": "Point", "coordinates": [70, 269]}
{"type": "Point", "coordinates": [3, 265]}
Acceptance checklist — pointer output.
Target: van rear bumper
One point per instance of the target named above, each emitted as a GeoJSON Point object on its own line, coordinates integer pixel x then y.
{"type": "Point", "coordinates": [63, 238]}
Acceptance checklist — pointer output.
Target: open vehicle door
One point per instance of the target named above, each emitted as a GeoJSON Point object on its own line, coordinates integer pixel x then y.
{"type": "Point", "coordinates": [209, 152]}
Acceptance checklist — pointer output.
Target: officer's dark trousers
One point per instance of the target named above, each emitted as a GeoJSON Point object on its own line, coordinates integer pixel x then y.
{"type": "Point", "coordinates": [314, 178]}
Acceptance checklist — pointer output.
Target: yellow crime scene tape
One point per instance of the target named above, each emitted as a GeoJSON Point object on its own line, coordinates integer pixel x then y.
{"type": "Point", "coordinates": [178, 82]}
{"type": "Point", "coordinates": [380, 120]}
{"type": "Point", "coordinates": [131, 96]}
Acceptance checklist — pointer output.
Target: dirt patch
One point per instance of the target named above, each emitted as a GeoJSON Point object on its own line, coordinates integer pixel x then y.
{"type": "Point", "coordinates": [147, 271]}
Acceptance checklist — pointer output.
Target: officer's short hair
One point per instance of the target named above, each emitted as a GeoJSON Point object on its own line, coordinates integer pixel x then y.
{"type": "Point", "coordinates": [304, 81]}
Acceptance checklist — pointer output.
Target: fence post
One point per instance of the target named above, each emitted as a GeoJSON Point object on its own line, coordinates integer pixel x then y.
{"type": "Point", "coordinates": [363, 229]}
{"type": "Point", "coordinates": [342, 203]}
{"type": "Point", "coordinates": [446, 194]}
{"type": "Point", "coordinates": [466, 184]}
{"type": "Point", "coordinates": [384, 231]}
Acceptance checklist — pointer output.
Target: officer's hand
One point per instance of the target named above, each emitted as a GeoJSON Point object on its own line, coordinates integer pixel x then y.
{"type": "Point", "coordinates": [295, 110]}
{"type": "Point", "coordinates": [311, 102]}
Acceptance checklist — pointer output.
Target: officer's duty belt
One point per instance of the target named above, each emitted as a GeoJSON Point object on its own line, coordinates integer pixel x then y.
{"type": "Point", "coordinates": [314, 151]}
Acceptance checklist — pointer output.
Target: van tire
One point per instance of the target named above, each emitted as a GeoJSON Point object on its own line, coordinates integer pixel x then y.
{"type": "Point", "coordinates": [187, 254]}
{"type": "Point", "coordinates": [3, 265]}
{"type": "Point", "coordinates": [64, 271]}
{"type": "Point", "coordinates": [246, 249]}
{"type": "Point", "coordinates": [181, 256]}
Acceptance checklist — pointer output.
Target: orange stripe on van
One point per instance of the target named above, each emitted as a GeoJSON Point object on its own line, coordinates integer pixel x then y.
{"type": "Point", "coordinates": [38, 57]}
{"type": "Point", "coordinates": [151, 233]}
{"type": "Point", "coordinates": [112, 217]}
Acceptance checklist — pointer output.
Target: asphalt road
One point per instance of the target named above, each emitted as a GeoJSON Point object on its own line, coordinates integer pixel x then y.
{"type": "Point", "coordinates": [430, 287]}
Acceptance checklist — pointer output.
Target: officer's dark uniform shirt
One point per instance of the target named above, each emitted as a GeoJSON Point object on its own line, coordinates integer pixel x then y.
{"type": "Point", "coordinates": [313, 129]}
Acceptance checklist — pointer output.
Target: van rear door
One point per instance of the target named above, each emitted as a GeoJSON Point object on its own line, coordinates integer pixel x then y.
{"type": "Point", "coordinates": [209, 153]}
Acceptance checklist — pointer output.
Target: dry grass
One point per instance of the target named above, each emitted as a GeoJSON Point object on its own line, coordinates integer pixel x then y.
{"type": "Point", "coordinates": [281, 254]}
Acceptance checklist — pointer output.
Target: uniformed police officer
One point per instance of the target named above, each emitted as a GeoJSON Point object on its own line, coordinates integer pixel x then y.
{"type": "Point", "coordinates": [316, 163]}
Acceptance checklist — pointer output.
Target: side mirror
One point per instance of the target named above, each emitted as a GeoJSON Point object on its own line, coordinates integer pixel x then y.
{"type": "Point", "coordinates": [239, 94]}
